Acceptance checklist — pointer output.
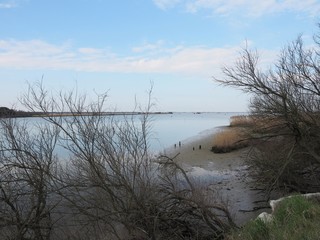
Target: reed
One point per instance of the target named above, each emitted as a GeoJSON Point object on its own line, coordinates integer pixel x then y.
{"type": "Point", "coordinates": [241, 121]}
{"type": "Point", "coordinates": [227, 140]}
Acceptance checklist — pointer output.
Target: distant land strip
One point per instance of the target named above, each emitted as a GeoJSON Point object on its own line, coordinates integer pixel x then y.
{"type": "Point", "coordinates": [10, 113]}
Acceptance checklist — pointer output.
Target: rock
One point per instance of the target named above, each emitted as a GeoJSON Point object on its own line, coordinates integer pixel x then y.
{"type": "Point", "coordinates": [275, 203]}
{"type": "Point", "coordinates": [265, 217]}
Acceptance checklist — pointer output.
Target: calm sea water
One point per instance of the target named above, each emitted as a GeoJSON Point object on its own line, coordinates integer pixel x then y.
{"type": "Point", "coordinates": [169, 129]}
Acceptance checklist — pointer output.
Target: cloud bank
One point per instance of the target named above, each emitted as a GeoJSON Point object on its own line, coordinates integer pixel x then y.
{"type": "Point", "coordinates": [148, 58]}
{"type": "Point", "coordinates": [246, 7]}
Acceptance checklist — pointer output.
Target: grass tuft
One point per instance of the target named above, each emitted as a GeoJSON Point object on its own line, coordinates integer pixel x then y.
{"type": "Point", "coordinates": [295, 218]}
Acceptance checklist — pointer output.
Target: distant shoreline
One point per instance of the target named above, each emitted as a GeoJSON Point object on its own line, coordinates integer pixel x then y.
{"type": "Point", "coordinates": [8, 113]}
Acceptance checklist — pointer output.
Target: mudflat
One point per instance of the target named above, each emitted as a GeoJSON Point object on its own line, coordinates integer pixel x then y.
{"type": "Point", "coordinates": [226, 173]}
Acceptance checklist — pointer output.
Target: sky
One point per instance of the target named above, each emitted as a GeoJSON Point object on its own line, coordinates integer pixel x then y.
{"type": "Point", "coordinates": [122, 47]}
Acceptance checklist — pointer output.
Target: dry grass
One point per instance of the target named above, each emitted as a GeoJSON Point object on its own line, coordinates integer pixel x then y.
{"type": "Point", "coordinates": [241, 121]}
{"type": "Point", "coordinates": [244, 127]}
{"type": "Point", "coordinates": [228, 139]}
{"type": "Point", "coordinates": [257, 124]}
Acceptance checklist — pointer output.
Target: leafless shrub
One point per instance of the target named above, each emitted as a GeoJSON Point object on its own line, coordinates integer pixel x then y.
{"type": "Point", "coordinates": [110, 186]}
{"type": "Point", "coordinates": [188, 211]}
{"type": "Point", "coordinates": [27, 165]}
{"type": "Point", "coordinates": [277, 165]}
{"type": "Point", "coordinates": [286, 99]}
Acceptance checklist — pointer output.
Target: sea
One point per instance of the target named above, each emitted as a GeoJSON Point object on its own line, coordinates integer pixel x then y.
{"type": "Point", "coordinates": [167, 129]}
{"type": "Point", "coordinates": [170, 129]}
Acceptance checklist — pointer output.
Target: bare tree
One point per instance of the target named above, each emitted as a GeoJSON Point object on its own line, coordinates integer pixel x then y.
{"type": "Point", "coordinates": [106, 184]}
{"type": "Point", "coordinates": [110, 176]}
{"type": "Point", "coordinates": [286, 104]}
{"type": "Point", "coordinates": [27, 164]}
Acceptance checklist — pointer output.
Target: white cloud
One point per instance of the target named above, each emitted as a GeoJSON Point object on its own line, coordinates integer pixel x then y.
{"type": "Point", "coordinates": [8, 4]}
{"type": "Point", "coordinates": [149, 47]}
{"type": "Point", "coordinates": [166, 4]}
{"type": "Point", "coordinates": [39, 55]}
{"type": "Point", "coordinates": [225, 7]}
{"type": "Point", "coordinates": [248, 7]}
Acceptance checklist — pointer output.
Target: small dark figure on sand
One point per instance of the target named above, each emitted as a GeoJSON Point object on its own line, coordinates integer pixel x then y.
{"type": "Point", "coordinates": [199, 146]}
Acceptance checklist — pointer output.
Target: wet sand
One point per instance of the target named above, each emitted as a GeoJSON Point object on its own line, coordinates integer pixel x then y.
{"type": "Point", "coordinates": [226, 173]}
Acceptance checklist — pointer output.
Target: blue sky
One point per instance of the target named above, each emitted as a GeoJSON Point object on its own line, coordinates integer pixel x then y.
{"type": "Point", "coordinates": [120, 46]}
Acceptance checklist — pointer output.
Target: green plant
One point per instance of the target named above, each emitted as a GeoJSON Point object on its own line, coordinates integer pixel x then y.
{"type": "Point", "coordinates": [294, 218]}
{"type": "Point", "coordinates": [251, 231]}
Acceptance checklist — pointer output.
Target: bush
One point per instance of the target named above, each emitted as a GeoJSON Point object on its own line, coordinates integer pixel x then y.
{"type": "Point", "coordinates": [285, 101]}
{"type": "Point", "coordinates": [276, 164]}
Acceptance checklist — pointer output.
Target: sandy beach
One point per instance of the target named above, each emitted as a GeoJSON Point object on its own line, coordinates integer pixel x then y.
{"type": "Point", "coordinates": [227, 174]}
